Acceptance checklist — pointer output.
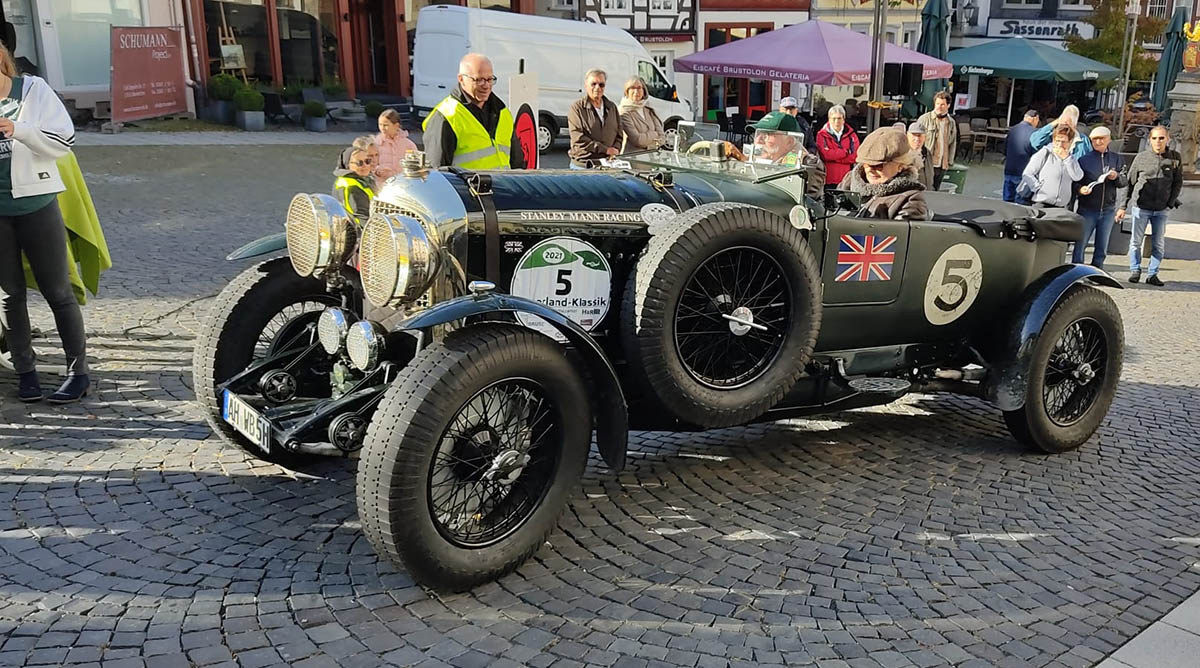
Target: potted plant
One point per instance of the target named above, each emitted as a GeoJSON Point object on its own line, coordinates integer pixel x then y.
{"type": "Point", "coordinates": [249, 103]}
{"type": "Point", "coordinates": [221, 89]}
{"type": "Point", "coordinates": [373, 108]}
{"type": "Point", "coordinates": [314, 116]}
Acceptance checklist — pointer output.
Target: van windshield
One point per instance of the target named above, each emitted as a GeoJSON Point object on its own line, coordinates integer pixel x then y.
{"type": "Point", "coordinates": [656, 85]}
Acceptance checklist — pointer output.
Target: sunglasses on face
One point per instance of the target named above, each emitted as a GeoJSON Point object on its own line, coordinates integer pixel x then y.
{"type": "Point", "coordinates": [481, 80]}
{"type": "Point", "coordinates": [363, 162]}
{"type": "Point", "coordinates": [596, 84]}
{"type": "Point", "coordinates": [1158, 139]}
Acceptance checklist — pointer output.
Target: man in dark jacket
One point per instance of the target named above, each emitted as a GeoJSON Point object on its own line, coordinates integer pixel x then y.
{"type": "Point", "coordinates": [474, 94]}
{"type": "Point", "coordinates": [1155, 179]}
{"type": "Point", "coordinates": [595, 124]}
{"type": "Point", "coordinates": [1017, 153]}
{"type": "Point", "coordinates": [1097, 204]}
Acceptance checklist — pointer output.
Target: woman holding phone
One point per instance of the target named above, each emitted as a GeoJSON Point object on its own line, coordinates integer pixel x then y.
{"type": "Point", "coordinates": [35, 130]}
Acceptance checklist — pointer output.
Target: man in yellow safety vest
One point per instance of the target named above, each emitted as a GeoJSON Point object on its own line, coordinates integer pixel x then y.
{"type": "Point", "coordinates": [472, 128]}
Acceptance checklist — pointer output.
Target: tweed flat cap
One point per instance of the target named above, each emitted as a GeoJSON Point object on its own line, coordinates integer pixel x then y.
{"type": "Point", "coordinates": [884, 145]}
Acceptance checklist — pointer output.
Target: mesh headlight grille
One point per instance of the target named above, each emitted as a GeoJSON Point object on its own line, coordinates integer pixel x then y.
{"type": "Point", "coordinates": [331, 329]}
{"type": "Point", "coordinates": [318, 234]}
{"type": "Point", "coordinates": [303, 235]}
{"type": "Point", "coordinates": [364, 344]}
{"type": "Point", "coordinates": [397, 259]}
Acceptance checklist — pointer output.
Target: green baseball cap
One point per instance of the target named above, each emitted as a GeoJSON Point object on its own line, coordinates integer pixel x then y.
{"type": "Point", "coordinates": [778, 120]}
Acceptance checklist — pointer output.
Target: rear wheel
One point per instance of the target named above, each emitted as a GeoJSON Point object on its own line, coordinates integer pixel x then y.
{"type": "Point", "coordinates": [1073, 374]}
{"type": "Point", "coordinates": [472, 455]}
{"type": "Point", "coordinates": [547, 132]}
{"type": "Point", "coordinates": [260, 310]}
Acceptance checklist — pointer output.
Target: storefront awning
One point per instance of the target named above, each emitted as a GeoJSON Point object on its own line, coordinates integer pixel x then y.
{"type": "Point", "coordinates": [812, 52]}
{"type": "Point", "coordinates": [1022, 58]}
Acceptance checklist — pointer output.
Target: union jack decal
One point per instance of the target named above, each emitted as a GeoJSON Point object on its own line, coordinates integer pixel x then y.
{"type": "Point", "coordinates": [865, 258]}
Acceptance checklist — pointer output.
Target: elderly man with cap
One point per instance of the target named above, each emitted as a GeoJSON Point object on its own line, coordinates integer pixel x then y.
{"type": "Point", "coordinates": [922, 161]}
{"type": "Point", "coordinates": [1098, 205]}
{"type": "Point", "coordinates": [791, 107]}
{"type": "Point", "coordinates": [884, 174]}
{"type": "Point", "coordinates": [775, 146]}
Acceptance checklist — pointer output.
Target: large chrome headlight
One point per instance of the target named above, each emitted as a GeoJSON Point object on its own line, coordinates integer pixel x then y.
{"type": "Point", "coordinates": [397, 259]}
{"type": "Point", "coordinates": [364, 344]}
{"type": "Point", "coordinates": [332, 328]}
{"type": "Point", "coordinates": [320, 234]}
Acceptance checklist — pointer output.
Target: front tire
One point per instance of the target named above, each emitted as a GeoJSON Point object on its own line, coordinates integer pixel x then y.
{"type": "Point", "coordinates": [1073, 374]}
{"type": "Point", "coordinates": [472, 455]}
{"type": "Point", "coordinates": [265, 305]}
{"type": "Point", "coordinates": [547, 133]}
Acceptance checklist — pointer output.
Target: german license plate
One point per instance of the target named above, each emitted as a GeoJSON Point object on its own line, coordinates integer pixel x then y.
{"type": "Point", "coordinates": [246, 420]}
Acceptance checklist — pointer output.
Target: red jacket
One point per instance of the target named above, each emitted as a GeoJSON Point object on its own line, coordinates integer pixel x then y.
{"type": "Point", "coordinates": [837, 155]}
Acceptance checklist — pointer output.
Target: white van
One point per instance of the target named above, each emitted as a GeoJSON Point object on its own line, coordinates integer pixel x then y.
{"type": "Point", "coordinates": [560, 51]}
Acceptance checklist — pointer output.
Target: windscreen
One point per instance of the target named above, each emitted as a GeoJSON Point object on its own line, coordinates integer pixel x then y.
{"type": "Point", "coordinates": [688, 133]}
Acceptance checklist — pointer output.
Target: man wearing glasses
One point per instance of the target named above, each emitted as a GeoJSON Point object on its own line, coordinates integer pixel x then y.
{"type": "Point", "coordinates": [472, 128]}
{"type": "Point", "coordinates": [595, 124]}
{"type": "Point", "coordinates": [1155, 179]}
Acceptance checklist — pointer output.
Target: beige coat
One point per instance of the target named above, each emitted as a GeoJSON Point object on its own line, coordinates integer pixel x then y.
{"type": "Point", "coordinates": [640, 126]}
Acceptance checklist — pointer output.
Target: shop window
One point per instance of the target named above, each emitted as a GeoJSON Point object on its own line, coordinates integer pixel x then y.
{"type": "Point", "coordinates": [84, 35]}
{"type": "Point", "coordinates": [19, 15]}
{"type": "Point", "coordinates": [308, 47]}
{"type": "Point", "coordinates": [237, 37]}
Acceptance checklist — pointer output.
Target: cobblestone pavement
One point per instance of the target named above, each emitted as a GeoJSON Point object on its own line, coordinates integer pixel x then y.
{"type": "Point", "coordinates": [914, 534]}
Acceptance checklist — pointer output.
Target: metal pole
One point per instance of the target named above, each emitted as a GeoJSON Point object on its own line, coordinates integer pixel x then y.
{"type": "Point", "coordinates": [1132, 8]}
{"type": "Point", "coordinates": [1012, 90]}
{"type": "Point", "coordinates": [878, 50]}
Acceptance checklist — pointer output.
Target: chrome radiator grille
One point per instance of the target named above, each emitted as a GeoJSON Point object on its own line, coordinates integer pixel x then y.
{"type": "Point", "coordinates": [385, 208]}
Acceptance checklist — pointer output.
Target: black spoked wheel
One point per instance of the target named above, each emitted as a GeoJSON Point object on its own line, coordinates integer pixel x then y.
{"type": "Point", "coordinates": [1073, 373]}
{"type": "Point", "coordinates": [260, 311]}
{"type": "Point", "coordinates": [495, 463]}
{"type": "Point", "coordinates": [472, 455]}
{"type": "Point", "coordinates": [732, 317]}
{"type": "Point", "coordinates": [720, 315]}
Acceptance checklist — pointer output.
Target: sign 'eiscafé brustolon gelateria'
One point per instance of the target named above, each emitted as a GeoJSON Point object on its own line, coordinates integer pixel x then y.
{"type": "Point", "coordinates": [147, 73]}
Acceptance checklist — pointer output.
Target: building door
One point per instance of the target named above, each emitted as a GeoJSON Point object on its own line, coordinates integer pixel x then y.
{"type": "Point", "coordinates": [368, 23]}
{"type": "Point", "coordinates": [725, 93]}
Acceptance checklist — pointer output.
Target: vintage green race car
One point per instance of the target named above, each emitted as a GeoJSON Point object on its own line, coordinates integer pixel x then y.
{"type": "Point", "coordinates": [491, 325]}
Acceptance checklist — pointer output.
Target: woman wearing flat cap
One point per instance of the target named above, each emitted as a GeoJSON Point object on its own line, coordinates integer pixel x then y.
{"type": "Point", "coordinates": [885, 174]}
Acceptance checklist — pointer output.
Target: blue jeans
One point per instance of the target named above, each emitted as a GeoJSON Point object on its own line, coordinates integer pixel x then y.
{"type": "Point", "coordinates": [1010, 189]}
{"type": "Point", "coordinates": [1099, 221]}
{"type": "Point", "coordinates": [1158, 234]}
{"type": "Point", "coordinates": [575, 166]}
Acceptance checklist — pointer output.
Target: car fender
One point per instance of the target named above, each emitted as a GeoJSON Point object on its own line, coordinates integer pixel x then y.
{"type": "Point", "coordinates": [1007, 384]}
{"type": "Point", "coordinates": [609, 407]}
{"type": "Point", "coordinates": [264, 246]}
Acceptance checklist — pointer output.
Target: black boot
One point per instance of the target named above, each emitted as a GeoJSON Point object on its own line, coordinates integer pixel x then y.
{"type": "Point", "coordinates": [74, 389]}
{"type": "Point", "coordinates": [29, 389]}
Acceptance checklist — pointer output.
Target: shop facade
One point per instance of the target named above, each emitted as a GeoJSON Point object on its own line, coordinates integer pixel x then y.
{"type": "Point", "coordinates": [723, 21]}
{"type": "Point", "coordinates": [66, 42]}
{"type": "Point", "coordinates": [360, 46]}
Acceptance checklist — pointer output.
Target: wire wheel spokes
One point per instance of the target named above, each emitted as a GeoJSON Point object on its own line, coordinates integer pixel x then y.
{"type": "Point", "coordinates": [1075, 372]}
{"type": "Point", "coordinates": [732, 317]}
{"type": "Point", "coordinates": [495, 462]}
{"type": "Point", "coordinates": [285, 325]}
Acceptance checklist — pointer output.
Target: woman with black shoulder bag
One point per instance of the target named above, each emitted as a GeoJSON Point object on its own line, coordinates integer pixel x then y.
{"type": "Point", "coordinates": [35, 130]}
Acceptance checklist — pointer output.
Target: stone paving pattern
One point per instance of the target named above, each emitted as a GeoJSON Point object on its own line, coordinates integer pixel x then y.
{"type": "Point", "coordinates": [917, 534]}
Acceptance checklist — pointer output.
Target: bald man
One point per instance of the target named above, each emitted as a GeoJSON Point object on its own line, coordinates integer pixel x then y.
{"type": "Point", "coordinates": [472, 128]}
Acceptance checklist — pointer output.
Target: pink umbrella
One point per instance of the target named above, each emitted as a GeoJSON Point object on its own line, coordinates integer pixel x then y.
{"type": "Point", "coordinates": [812, 52]}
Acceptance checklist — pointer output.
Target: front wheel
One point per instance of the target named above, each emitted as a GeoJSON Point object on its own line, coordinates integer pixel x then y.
{"type": "Point", "coordinates": [472, 455]}
{"type": "Point", "coordinates": [262, 308]}
{"type": "Point", "coordinates": [1073, 373]}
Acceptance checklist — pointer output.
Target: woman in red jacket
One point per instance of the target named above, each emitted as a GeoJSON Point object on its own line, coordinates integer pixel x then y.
{"type": "Point", "coordinates": [837, 144]}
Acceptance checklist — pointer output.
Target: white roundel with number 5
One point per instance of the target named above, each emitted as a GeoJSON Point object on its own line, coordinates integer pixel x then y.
{"type": "Point", "coordinates": [570, 276]}
{"type": "Point", "coordinates": [953, 284]}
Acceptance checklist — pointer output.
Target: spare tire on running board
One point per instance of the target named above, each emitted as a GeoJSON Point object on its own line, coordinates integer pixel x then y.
{"type": "Point", "coordinates": [721, 313]}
